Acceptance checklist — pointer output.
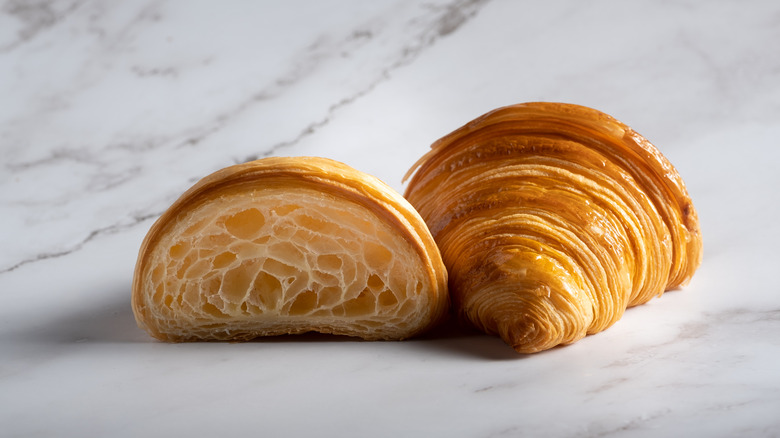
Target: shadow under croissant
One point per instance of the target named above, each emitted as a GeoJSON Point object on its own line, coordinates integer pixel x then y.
{"type": "Point", "coordinates": [105, 321]}
{"type": "Point", "coordinates": [449, 338]}
{"type": "Point", "coordinates": [111, 321]}
{"type": "Point", "coordinates": [453, 338]}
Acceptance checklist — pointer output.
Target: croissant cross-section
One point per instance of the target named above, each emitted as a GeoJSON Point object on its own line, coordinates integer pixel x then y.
{"type": "Point", "coordinates": [289, 245]}
{"type": "Point", "coordinates": [552, 219]}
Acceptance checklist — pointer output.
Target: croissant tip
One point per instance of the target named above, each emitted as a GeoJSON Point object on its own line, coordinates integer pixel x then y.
{"type": "Point", "coordinates": [522, 332]}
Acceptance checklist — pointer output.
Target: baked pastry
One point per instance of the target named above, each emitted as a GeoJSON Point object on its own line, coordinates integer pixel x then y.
{"type": "Point", "coordinates": [552, 219]}
{"type": "Point", "coordinates": [288, 245]}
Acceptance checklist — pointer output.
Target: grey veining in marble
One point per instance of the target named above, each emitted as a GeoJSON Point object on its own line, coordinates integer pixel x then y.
{"type": "Point", "coordinates": [122, 71]}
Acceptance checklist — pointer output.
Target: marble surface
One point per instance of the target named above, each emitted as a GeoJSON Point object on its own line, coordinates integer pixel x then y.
{"type": "Point", "coordinates": [109, 110]}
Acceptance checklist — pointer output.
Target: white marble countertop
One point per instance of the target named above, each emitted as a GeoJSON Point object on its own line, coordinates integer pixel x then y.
{"type": "Point", "coordinates": [109, 110]}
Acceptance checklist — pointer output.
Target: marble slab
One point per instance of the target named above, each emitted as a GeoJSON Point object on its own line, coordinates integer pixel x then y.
{"type": "Point", "coordinates": [110, 110]}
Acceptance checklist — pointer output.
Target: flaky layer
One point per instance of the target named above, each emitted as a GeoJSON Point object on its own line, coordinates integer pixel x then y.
{"type": "Point", "coordinates": [289, 246]}
{"type": "Point", "coordinates": [552, 219]}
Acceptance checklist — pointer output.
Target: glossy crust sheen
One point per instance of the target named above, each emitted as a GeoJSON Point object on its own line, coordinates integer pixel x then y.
{"type": "Point", "coordinates": [289, 245]}
{"type": "Point", "coordinates": [552, 219]}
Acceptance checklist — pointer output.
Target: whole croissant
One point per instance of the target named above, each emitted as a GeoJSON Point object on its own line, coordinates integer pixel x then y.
{"type": "Point", "coordinates": [552, 219]}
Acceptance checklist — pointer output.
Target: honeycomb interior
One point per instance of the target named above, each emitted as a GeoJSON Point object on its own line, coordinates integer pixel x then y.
{"type": "Point", "coordinates": [282, 261]}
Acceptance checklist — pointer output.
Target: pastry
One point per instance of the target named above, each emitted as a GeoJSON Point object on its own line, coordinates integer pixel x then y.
{"type": "Point", "coordinates": [552, 219]}
{"type": "Point", "coordinates": [289, 245]}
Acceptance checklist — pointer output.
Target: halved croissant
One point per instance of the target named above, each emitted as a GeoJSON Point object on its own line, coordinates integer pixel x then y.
{"type": "Point", "coordinates": [289, 245]}
{"type": "Point", "coordinates": [552, 219]}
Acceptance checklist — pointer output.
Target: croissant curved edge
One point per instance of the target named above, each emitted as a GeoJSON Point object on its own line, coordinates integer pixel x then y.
{"type": "Point", "coordinates": [552, 219]}
{"type": "Point", "coordinates": [289, 245]}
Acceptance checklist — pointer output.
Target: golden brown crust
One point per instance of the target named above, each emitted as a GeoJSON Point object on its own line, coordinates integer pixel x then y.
{"type": "Point", "coordinates": [552, 219]}
{"type": "Point", "coordinates": [185, 287]}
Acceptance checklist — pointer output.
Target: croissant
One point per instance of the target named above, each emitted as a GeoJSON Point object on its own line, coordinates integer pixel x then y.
{"type": "Point", "coordinates": [552, 219]}
{"type": "Point", "coordinates": [284, 246]}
